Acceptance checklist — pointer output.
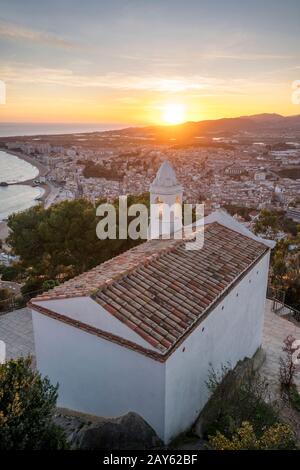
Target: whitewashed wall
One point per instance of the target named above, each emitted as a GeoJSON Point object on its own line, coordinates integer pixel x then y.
{"type": "Point", "coordinates": [232, 331]}
{"type": "Point", "coordinates": [99, 377]}
{"type": "Point", "coordinates": [88, 311]}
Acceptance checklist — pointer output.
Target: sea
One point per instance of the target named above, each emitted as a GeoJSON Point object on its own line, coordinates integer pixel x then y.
{"type": "Point", "coordinates": [16, 197]}
{"type": "Point", "coordinates": [21, 129]}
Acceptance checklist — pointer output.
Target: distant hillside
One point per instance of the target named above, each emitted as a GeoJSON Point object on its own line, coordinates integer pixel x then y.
{"type": "Point", "coordinates": [255, 123]}
{"type": "Point", "coordinates": [198, 134]}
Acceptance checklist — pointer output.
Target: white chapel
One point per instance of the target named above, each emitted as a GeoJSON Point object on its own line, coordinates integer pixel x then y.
{"type": "Point", "coordinates": [139, 332]}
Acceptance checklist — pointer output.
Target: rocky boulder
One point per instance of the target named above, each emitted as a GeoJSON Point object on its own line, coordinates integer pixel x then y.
{"type": "Point", "coordinates": [127, 432]}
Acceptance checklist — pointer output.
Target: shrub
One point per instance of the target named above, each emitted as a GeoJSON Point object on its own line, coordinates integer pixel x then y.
{"type": "Point", "coordinates": [4, 293]}
{"type": "Point", "coordinates": [10, 273]}
{"type": "Point", "coordinates": [235, 401]}
{"type": "Point", "coordinates": [294, 397]}
{"type": "Point", "coordinates": [27, 406]}
{"type": "Point", "coordinates": [288, 367]}
{"type": "Point", "coordinates": [32, 286]}
{"type": "Point", "coordinates": [276, 437]}
{"type": "Point", "coordinates": [47, 285]}
{"type": "Point", "coordinates": [5, 296]}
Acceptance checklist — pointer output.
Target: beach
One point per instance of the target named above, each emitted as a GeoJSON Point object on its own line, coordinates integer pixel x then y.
{"type": "Point", "coordinates": [21, 192]}
{"type": "Point", "coordinates": [45, 189]}
{"type": "Point", "coordinates": [42, 171]}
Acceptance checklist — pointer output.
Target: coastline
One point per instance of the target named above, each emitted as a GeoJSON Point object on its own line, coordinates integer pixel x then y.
{"type": "Point", "coordinates": [47, 190]}
{"type": "Point", "coordinates": [42, 171]}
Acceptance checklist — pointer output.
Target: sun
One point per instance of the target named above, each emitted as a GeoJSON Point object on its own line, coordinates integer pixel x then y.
{"type": "Point", "coordinates": [173, 113]}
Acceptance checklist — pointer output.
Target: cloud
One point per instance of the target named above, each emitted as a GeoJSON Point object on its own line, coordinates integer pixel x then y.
{"type": "Point", "coordinates": [25, 74]}
{"type": "Point", "coordinates": [197, 85]}
{"type": "Point", "coordinates": [17, 32]}
{"type": "Point", "coordinates": [248, 56]}
{"type": "Point", "coordinates": [165, 61]}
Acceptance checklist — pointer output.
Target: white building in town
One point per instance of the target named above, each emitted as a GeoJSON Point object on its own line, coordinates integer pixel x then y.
{"type": "Point", "coordinates": [139, 332]}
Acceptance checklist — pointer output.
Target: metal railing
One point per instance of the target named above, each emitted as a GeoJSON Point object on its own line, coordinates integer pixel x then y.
{"type": "Point", "coordinates": [17, 301]}
{"type": "Point", "coordinates": [279, 306]}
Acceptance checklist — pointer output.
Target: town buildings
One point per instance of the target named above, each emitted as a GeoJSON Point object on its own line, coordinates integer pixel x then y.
{"type": "Point", "coordinates": [241, 174]}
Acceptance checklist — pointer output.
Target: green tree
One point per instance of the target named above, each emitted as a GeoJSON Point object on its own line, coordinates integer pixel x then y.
{"type": "Point", "coordinates": [60, 242]}
{"type": "Point", "coordinates": [285, 270]}
{"type": "Point", "coordinates": [267, 224]}
{"type": "Point", "coordinates": [27, 406]}
{"type": "Point", "coordinates": [10, 273]}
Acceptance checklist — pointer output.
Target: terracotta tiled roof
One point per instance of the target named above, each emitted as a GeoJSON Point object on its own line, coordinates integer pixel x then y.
{"type": "Point", "coordinates": [161, 300]}
{"type": "Point", "coordinates": [104, 274]}
{"type": "Point", "coordinates": [161, 290]}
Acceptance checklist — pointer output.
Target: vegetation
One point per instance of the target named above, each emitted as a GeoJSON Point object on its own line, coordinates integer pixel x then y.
{"type": "Point", "coordinates": [240, 416]}
{"type": "Point", "coordinates": [294, 397]}
{"type": "Point", "coordinates": [267, 224]}
{"type": "Point", "coordinates": [27, 406]}
{"type": "Point", "coordinates": [292, 173]}
{"type": "Point", "coordinates": [60, 242]}
{"type": "Point", "coordinates": [285, 270]}
{"type": "Point", "coordinates": [276, 437]}
{"type": "Point", "coordinates": [285, 257]}
{"type": "Point", "coordinates": [10, 273]}
{"type": "Point", "coordinates": [288, 370]}
{"type": "Point", "coordinates": [94, 170]}
{"type": "Point", "coordinates": [5, 295]}
{"type": "Point", "coordinates": [233, 404]}
{"type": "Point", "coordinates": [240, 210]}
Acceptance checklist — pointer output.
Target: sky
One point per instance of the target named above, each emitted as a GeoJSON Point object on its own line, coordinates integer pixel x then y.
{"type": "Point", "coordinates": [147, 61]}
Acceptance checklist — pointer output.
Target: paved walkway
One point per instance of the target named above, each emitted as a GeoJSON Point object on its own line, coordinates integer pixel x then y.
{"type": "Point", "coordinates": [276, 329]}
{"type": "Point", "coordinates": [17, 333]}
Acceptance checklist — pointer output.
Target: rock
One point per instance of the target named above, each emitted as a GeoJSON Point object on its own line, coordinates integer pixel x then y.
{"type": "Point", "coordinates": [227, 388]}
{"type": "Point", "coordinates": [127, 432]}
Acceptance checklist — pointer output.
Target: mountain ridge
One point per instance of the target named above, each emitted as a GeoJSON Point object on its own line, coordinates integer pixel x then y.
{"type": "Point", "coordinates": [256, 122]}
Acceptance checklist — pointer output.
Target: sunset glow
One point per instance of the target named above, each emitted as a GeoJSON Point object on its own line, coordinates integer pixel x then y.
{"type": "Point", "coordinates": [201, 62]}
{"type": "Point", "coordinates": [173, 113]}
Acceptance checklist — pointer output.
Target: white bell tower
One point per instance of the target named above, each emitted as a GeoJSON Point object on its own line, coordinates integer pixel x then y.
{"type": "Point", "coordinates": [165, 193]}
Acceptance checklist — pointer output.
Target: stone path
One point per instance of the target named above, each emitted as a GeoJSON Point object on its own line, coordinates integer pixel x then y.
{"type": "Point", "coordinates": [276, 329]}
{"type": "Point", "coordinates": [17, 333]}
